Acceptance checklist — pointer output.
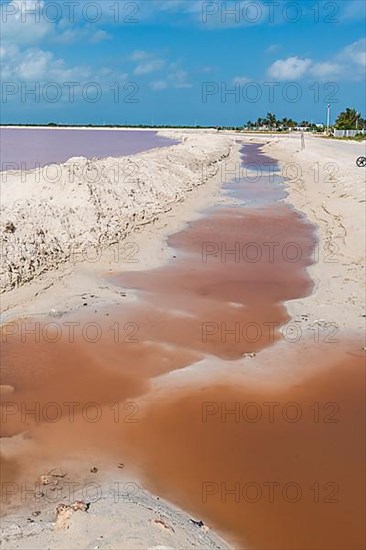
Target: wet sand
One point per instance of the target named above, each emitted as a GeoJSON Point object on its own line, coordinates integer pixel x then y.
{"type": "Point", "coordinates": [207, 303]}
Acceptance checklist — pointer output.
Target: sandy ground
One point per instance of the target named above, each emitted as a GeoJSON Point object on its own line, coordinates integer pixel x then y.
{"type": "Point", "coordinates": [324, 182]}
{"type": "Point", "coordinates": [332, 196]}
{"type": "Point", "coordinates": [121, 515]}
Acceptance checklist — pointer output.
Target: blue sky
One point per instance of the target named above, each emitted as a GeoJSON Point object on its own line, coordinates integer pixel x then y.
{"type": "Point", "coordinates": [180, 61]}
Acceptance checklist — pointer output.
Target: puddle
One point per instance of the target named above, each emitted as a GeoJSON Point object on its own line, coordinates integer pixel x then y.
{"type": "Point", "coordinates": [274, 469]}
{"type": "Point", "coordinates": [220, 298]}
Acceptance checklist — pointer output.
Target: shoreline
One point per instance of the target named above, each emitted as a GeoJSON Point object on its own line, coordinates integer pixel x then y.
{"type": "Point", "coordinates": [157, 129]}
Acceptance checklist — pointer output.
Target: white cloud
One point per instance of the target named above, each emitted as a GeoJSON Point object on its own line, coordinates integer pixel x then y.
{"type": "Point", "coordinates": [34, 65]}
{"type": "Point", "coordinates": [273, 48]}
{"type": "Point", "coordinates": [24, 61]}
{"type": "Point", "coordinates": [291, 68]}
{"type": "Point", "coordinates": [326, 70]}
{"type": "Point", "coordinates": [67, 37]}
{"type": "Point", "coordinates": [99, 36]}
{"type": "Point", "coordinates": [349, 63]}
{"type": "Point", "coordinates": [38, 65]}
{"type": "Point", "coordinates": [179, 79]}
{"type": "Point", "coordinates": [22, 22]}
{"type": "Point", "coordinates": [79, 34]}
{"type": "Point", "coordinates": [149, 66]}
{"type": "Point", "coordinates": [355, 53]}
{"type": "Point", "coordinates": [26, 23]}
{"type": "Point", "coordinates": [140, 55]}
{"type": "Point", "coordinates": [148, 62]}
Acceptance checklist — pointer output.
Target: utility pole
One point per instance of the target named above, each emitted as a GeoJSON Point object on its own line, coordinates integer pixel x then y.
{"type": "Point", "coordinates": [328, 118]}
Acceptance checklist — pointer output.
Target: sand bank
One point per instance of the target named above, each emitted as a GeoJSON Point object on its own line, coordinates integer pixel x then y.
{"type": "Point", "coordinates": [50, 215]}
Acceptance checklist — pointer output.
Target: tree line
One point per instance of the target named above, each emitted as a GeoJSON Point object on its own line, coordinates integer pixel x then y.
{"type": "Point", "coordinates": [349, 119]}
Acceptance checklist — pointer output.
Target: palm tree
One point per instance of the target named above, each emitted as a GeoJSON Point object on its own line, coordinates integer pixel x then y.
{"type": "Point", "coordinates": [272, 120]}
{"type": "Point", "coordinates": [348, 119]}
{"type": "Point", "coordinates": [291, 123]}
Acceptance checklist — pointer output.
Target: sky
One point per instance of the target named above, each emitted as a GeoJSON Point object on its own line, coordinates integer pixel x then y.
{"type": "Point", "coordinates": [180, 62]}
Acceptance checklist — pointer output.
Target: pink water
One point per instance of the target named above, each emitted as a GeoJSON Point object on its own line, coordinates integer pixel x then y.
{"type": "Point", "coordinates": [27, 148]}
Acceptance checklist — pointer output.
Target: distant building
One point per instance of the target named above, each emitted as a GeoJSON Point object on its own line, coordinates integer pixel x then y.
{"type": "Point", "coordinates": [347, 133]}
